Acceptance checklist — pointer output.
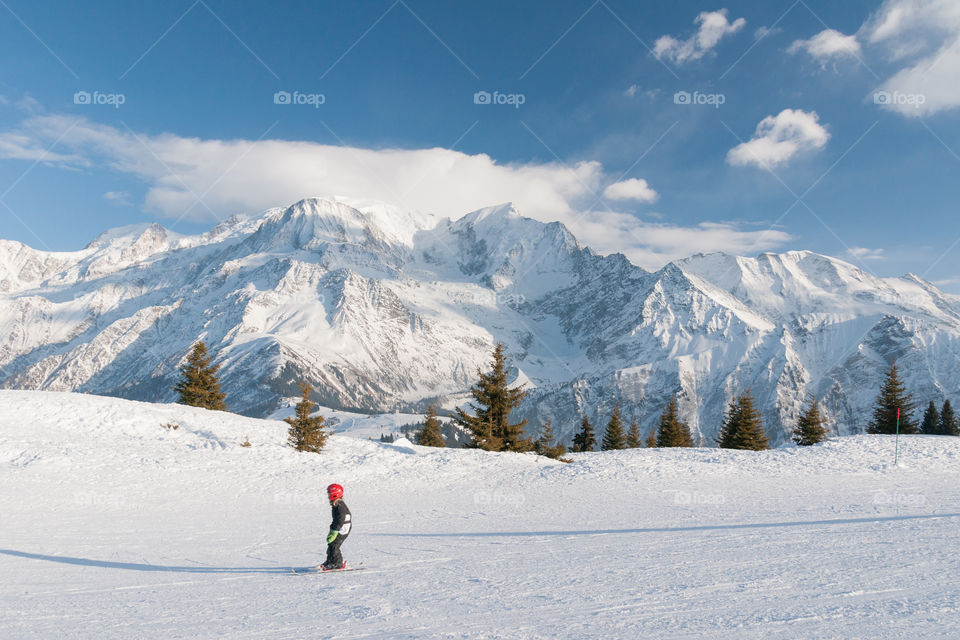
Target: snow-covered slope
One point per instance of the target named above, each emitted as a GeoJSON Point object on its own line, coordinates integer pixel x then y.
{"type": "Point", "coordinates": [118, 526]}
{"type": "Point", "coordinates": [386, 310]}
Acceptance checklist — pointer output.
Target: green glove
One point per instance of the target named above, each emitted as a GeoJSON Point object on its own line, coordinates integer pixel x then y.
{"type": "Point", "coordinates": [332, 536]}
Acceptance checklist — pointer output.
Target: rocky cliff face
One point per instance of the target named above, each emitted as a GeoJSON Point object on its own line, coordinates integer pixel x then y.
{"type": "Point", "coordinates": [383, 309]}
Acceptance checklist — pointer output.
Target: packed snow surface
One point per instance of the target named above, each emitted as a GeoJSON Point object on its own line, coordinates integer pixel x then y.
{"type": "Point", "coordinates": [116, 525]}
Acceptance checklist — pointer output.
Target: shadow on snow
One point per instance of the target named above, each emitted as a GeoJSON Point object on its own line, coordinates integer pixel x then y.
{"type": "Point", "coordinates": [138, 566]}
{"type": "Point", "coordinates": [706, 527]}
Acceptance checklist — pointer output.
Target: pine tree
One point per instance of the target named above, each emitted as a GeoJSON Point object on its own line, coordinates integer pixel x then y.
{"type": "Point", "coordinates": [634, 439]}
{"type": "Point", "coordinates": [947, 426]}
{"type": "Point", "coordinates": [306, 433]}
{"type": "Point", "coordinates": [544, 445]}
{"type": "Point", "coordinates": [810, 429]}
{"type": "Point", "coordinates": [198, 385]}
{"type": "Point", "coordinates": [584, 440]}
{"type": "Point", "coordinates": [613, 437]}
{"type": "Point", "coordinates": [652, 439]}
{"type": "Point", "coordinates": [491, 428]}
{"type": "Point", "coordinates": [730, 421]}
{"type": "Point", "coordinates": [673, 432]}
{"type": "Point", "coordinates": [931, 420]}
{"type": "Point", "coordinates": [431, 435]}
{"type": "Point", "coordinates": [743, 427]}
{"type": "Point", "coordinates": [893, 396]}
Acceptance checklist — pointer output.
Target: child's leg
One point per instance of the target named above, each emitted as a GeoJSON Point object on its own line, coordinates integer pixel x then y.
{"type": "Point", "coordinates": [334, 558]}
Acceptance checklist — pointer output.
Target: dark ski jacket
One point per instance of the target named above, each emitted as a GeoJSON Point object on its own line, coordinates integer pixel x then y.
{"type": "Point", "coordinates": [341, 518]}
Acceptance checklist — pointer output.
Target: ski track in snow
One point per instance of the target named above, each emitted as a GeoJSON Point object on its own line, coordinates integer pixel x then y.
{"type": "Point", "coordinates": [115, 527]}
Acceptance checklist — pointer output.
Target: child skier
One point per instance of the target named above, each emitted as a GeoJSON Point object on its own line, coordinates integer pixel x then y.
{"type": "Point", "coordinates": [339, 529]}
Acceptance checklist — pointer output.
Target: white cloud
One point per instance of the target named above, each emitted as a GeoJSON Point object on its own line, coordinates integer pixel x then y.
{"type": "Point", "coordinates": [765, 32]}
{"type": "Point", "coordinates": [200, 180]}
{"type": "Point", "coordinates": [631, 189]}
{"type": "Point", "coordinates": [635, 89]}
{"type": "Point", "coordinates": [19, 146]}
{"type": "Point", "coordinates": [118, 197]}
{"type": "Point", "coordinates": [652, 244]}
{"type": "Point", "coordinates": [863, 253]}
{"type": "Point", "coordinates": [713, 26]}
{"type": "Point", "coordinates": [827, 45]}
{"type": "Point", "coordinates": [910, 20]}
{"type": "Point", "coordinates": [925, 34]}
{"type": "Point", "coordinates": [947, 282]}
{"type": "Point", "coordinates": [778, 138]}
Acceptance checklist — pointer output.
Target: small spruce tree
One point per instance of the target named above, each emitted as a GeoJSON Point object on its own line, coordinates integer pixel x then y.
{"type": "Point", "coordinates": [634, 439]}
{"type": "Point", "coordinates": [306, 432]}
{"type": "Point", "coordinates": [947, 426]}
{"type": "Point", "coordinates": [613, 437]}
{"type": "Point", "coordinates": [431, 435]}
{"type": "Point", "coordinates": [545, 446]}
{"type": "Point", "coordinates": [810, 427]}
{"type": "Point", "coordinates": [494, 399]}
{"type": "Point", "coordinates": [893, 397]}
{"type": "Point", "coordinates": [652, 439]}
{"type": "Point", "coordinates": [931, 420]}
{"type": "Point", "coordinates": [584, 440]}
{"type": "Point", "coordinates": [199, 385]}
{"type": "Point", "coordinates": [730, 420]}
{"type": "Point", "coordinates": [743, 427]}
{"type": "Point", "coordinates": [672, 431]}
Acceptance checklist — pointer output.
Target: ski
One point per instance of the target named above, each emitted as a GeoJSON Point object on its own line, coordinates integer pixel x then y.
{"type": "Point", "coordinates": [305, 570]}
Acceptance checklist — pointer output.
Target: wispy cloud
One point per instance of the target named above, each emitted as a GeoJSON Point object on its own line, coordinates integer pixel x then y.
{"type": "Point", "coordinates": [712, 27]}
{"type": "Point", "coordinates": [863, 253]}
{"type": "Point", "coordinates": [651, 244]}
{"type": "Point", "coordinates": [118, 197]}
{"type": "Point", "coordinates": [766, 32]}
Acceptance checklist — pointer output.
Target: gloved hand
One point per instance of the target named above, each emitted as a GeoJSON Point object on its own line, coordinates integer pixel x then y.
{"type": "Point", "coordinates": [332, 536]}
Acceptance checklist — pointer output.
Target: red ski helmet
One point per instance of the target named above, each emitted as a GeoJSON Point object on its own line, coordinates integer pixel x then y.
{"type": "Point", "coordinates": [335, 492]}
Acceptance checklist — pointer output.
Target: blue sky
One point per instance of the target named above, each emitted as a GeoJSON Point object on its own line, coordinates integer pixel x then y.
{"type": "Point", "coordinates": [809, 125]}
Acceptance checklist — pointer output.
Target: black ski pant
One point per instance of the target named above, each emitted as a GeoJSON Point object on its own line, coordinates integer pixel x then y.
{"type": "Point", "coordinates": [334, 559]}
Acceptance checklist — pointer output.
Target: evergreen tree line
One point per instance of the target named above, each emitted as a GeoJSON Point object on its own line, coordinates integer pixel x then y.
{"type": "Point", "coordinates": [487, 418]}
{"type": "Point", "coordinates": [894, 411]}
{"type": "Point", "coordinates": [742, 426]}
{"type": "Point", "coordinates": [670, 432]}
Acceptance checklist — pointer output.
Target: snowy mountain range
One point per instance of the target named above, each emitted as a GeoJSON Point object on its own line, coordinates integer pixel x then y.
{"type": "Point", "coordinates": [384, 310]}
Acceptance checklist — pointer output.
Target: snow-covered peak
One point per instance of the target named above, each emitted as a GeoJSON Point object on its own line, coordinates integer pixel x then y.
{"type": "Point", "coordinates": [493, 214]}
{"type": "Point", "coordinates": [796, 282]}
{"type": "Point", "coordinates": [145, 232]}
{"type": "Point", "coordinates": [314, 222]}
{"type": "Point", "coordinates": [505, 248]}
